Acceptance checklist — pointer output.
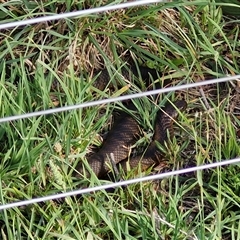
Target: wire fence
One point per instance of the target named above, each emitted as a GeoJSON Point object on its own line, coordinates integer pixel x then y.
{"type": "Point", "coordinates": [106, 101]}
{"type": "Point", "coordinates": [78, 13]}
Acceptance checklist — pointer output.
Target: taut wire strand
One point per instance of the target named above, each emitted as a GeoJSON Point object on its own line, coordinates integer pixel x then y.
{"type": "Point", "coordinates": [77, 13]}
{"type": "Point", "coordinates": [116, 99]}
{"type": "Point", "coordinates": [118, 184]}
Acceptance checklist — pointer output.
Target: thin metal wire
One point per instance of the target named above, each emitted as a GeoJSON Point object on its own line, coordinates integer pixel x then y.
{"type": "Point", "coordinates": [118, 184]}
{"type": "Point", "coordinates": [78, 13]}
{"type": "Point", "coordinates": [116, 99]}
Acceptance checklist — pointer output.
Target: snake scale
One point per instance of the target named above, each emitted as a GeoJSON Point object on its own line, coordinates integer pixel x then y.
{"type": "Point", "coordinates": [126, 129]}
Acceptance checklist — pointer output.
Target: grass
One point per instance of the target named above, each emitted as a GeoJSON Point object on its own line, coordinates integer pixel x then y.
{"type": "Point", "coordinates": [188, 43]}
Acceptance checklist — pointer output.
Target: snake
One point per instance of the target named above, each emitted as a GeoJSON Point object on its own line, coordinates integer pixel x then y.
{"type": "Point", "coordinates": [126, 129]}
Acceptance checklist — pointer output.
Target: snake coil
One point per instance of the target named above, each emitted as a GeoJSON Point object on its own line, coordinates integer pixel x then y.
{"type": "Point", "coordinates": [124, 132]}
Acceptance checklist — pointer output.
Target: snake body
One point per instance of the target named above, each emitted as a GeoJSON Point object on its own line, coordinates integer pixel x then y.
{"type": "Point", "coordinates": [125, 131]}
{"type": "Point", "coordinates": [118, 141]}
{"type": "Point", "coordinates": [163, 124]}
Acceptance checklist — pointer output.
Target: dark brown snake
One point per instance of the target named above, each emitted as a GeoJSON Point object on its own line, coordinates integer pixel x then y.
{"type": "Point", "coordinates": [125, 130]}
